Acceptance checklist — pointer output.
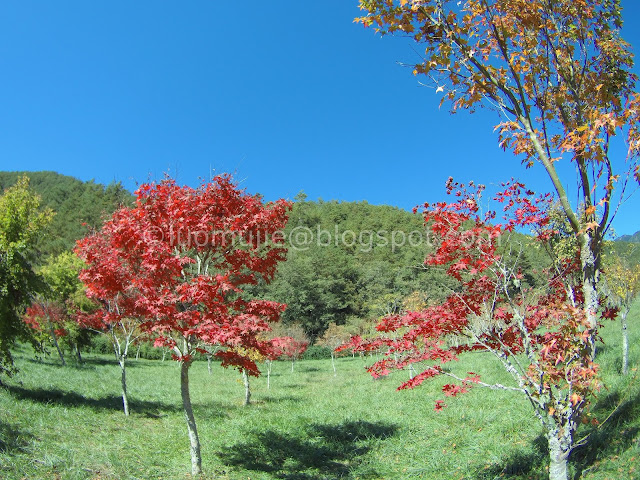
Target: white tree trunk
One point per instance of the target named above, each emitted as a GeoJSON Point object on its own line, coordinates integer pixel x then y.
{"type": "Point", "coordinates": [590, 277]}
{"type": "Point", "coordinates": [52, 331]}
{"type": "Point", "coordinates": [558, 456]}
{"type": "Point", "coordinates": [194, 441]}
{"type": "Point", "coordinates": [625, 344]}
{"type": "Point", "coordinates": [269, 363]}
{"type": "Point", "coordinates": [333, 363]}
{"type": "Point", "coordinates": [125, 399]}
{"type": "Point", "coordinates": [247, 388]}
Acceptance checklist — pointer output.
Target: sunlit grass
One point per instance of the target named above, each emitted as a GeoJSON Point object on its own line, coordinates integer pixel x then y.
{"type": "Point", "coordinates": [67, 423]}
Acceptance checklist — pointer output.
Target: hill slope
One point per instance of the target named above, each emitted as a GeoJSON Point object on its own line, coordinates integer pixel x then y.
{"type": "Point", "coordinates": [78, 205]}
{"type": "Point", "coordinates": [347, 261]}
{"type": "Point", "coordinates": [635, 238]}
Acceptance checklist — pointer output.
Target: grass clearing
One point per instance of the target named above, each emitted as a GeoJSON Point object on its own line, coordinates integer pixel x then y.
{"type": "Point", "coordinates": [67, 423]}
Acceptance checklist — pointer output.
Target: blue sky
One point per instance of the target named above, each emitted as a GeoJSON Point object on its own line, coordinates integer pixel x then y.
{"type": "Point", "coordinates": [288, 96]}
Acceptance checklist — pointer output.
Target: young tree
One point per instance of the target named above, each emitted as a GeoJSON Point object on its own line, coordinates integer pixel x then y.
{"type": "Point", "coordinates": [541, 338]}
{"type": "Point", "coordinates": [22, 221]}
{"type": "Point", "coordinates": [114, 277]}
{"type": "Point", "coordinates": [272, 354]}
{"type": "Point", "coordinates": [182, 256]}
{"type": "Point", "coordinates": [290, 347]}
{"type": "Point", "coordinates": [52, 312]}
{"type": "Point", "coordinates": [46, 318]}
{"type": "Point", "coordinates": [256, 357]}
{"type": "Point", "coordinates": [333, 338]}
{"type": "Point", "coordinates": [623, 287]}
{"type": "Point", "coordinates": [558, 72]}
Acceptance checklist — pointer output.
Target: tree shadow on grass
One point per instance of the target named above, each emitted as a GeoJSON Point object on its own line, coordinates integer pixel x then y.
{"type": "Point", "coordinates": [213, 411]}
{"type": "Point", "coordinates": [307, 369]}
{"type": "Point", "coordinates": [530, 465]}
{"type": "Point", "coordinates": [280, 399]}
{"type": "Point", "coordinates": [318, 452]}
{"type": "Point", "coordinates": [613, 437]}
{"type": "Point", "coordinates": [87, 362]}
{"type": "Point", "coordinates": [56, 396]}
{"type": "Point", "coordinates": [617, 434]}
{"type": "Point", "coordinates": [13, 440]}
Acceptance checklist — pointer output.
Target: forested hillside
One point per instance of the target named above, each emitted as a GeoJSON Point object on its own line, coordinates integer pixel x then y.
{"type": "Point", "coordinates": [635, 238]}
{"type": "Point", "coordinates": [78, 205]}
{"type": "Point", "coordinates": [352, 263]}
{"type": "Point", "coordinates": [347, 262]}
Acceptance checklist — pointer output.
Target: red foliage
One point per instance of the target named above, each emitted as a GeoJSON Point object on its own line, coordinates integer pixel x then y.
{"type": "Point", "coordinates": [288, 347]}
{"type": "Point", "coordinates": [547, 330]}
{"type": "Point", "coordinates": [40, 314]}
{"type": "Point", "coordinates": [179, 260]}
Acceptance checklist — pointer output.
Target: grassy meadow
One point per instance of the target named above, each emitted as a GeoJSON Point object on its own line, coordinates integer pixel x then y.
{"type": "Point", "coordinates": [67, 423]}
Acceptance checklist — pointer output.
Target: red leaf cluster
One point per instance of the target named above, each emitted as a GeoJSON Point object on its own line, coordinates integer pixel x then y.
{"type": "Point", "coordinates": [545, 332]}
{"type": "Point", "coordinates": [288, 347]}
{"type": "Point", "coordinates": [41, 316]}
{"type": "Point", "coordinates": [178, 262]}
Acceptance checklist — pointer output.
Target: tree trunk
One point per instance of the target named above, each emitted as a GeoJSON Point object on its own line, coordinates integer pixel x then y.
{"type": "Point", "coordinates": [558, 456]}
{"type": "Point", "coordinates": [79, 355]}
{"type": "Point", "coordinates": [194, 449]}
{"type": "Point", "coordinates": [292, 362]}
{"type": "Point", "coordinates": [125, 398]}
{"type": "Point", "coordinates": [625, 344]}
{"type": "Point", "coordinates": [589, 253]}
{"type": "Point", "coordinates": [333, 362]}
{"type": "Point", "coordinates": [209, 364]}
{"type": "Point", "coordinates": [269, 363]}
{"type": "Point", "coordinates": [54, 338]}
{"type": "Point", "coordinates": [247, 388]}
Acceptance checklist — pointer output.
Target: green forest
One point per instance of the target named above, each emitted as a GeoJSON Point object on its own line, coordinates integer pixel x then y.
{"type": "Point", "coordinates": [78, 206]}
{"type": "Point", "coordinates": [348, 263]}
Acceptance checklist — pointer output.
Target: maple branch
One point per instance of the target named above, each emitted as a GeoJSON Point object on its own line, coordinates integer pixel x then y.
{"type": "Point", "coordinates": [494, 386]}
{"type": "Point", "coordinates": [553, 175]}
{"type": "Point", "coordinates": [608, 191]}
{"type": "Point", "coordinates": [526, 337]}
{"type": "Point", "coordinates": [455, 39]}
{"type": "Point", "coordinates": [504, 359]}
{"type": "Point", "coordinates": [505, 55]}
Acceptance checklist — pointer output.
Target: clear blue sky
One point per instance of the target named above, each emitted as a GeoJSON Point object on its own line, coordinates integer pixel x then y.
{"type": "Point", "coordinates": [286, 95]}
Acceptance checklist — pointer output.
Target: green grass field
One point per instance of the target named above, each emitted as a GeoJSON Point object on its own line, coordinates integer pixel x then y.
{"type": "Point", "coordinates": [66, 423]}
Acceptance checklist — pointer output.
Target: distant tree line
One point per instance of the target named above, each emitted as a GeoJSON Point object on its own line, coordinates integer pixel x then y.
{"type": "Point", "coordinates": [348, 263]}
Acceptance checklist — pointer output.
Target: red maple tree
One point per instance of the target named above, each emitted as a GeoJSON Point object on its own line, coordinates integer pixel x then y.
{"type": "Point", "coordinates": [115, 277]}
{"type": "Point", "coordinates": [289, 347]}
{"type": "Point", "coordinates": [179, 261]}
{"type": "Point", "coordinates": [542, 337]}
{"type": "Point", "coordinates": [47, 318]}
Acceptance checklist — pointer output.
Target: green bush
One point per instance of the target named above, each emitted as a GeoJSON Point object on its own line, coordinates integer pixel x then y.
{"type": "Point", "coordinates": [100, 344]}
{"type": "Point", "coordinates": [316, 352]}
